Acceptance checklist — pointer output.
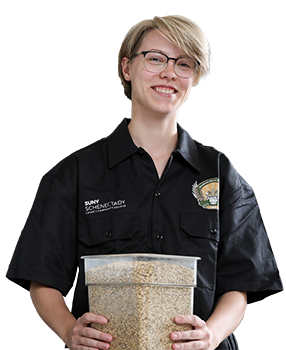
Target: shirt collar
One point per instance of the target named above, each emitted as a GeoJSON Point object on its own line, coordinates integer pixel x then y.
{"type": "Point", "coordinates": [121, 146]}
{"type": "Point", "coordinates": [188, 149]}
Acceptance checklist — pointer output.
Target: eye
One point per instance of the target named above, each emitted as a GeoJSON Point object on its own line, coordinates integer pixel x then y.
{"type": "Point", "coordinates": [186, 64]}
{"type": "Point", "coordinates": [183, 65]}
{"type": "Point", "coordinates": [155, 58]}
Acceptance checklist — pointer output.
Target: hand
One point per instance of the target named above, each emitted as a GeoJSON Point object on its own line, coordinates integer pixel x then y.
{"type": "Point", "coordinates": [200, 336]}
{"type": "Point", "coordinates": [82, 337]}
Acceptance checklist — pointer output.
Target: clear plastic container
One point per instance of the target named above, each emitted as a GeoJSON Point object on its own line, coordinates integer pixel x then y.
{"type": "Point", "coordinates": [140, 295]}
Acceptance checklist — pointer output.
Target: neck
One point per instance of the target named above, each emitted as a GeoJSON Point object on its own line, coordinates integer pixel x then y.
{"type": "Point", "coordinates": [158, 136]}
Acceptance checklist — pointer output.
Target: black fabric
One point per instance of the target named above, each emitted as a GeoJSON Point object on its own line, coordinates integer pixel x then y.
{"type": "Point", "coordinates": [107, 199]}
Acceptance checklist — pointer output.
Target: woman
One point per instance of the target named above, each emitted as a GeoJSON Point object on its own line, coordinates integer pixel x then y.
{"type": "Point", "coordinates": [149, 187]}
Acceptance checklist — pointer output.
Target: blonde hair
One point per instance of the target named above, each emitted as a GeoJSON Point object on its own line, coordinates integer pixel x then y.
{"type": "Point", "coordinates": [180, 31]}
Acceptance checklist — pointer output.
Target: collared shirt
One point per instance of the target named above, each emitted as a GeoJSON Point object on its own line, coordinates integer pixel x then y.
{"type": "Point", "coordinates": [108, 199]}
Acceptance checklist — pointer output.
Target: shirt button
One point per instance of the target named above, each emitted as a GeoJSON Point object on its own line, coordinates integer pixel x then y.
{"type": "Point", "coordinates": [159, 237]}
{"type": "Point", "coordinates": [108, 234]}
{"type": "Point", "coordinates": [213, 231]}
{"type": "Point", "coordinates": [157, 194]}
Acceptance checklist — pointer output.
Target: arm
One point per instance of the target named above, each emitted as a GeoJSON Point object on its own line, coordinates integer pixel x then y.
{"type": "Point", "coordinates": [208, 335]}
{"type": "Point", "coordinates": [51, 306]}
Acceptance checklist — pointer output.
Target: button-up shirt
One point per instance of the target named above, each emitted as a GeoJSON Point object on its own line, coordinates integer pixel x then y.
{"type": "Point", "coordinates": [108, 199]}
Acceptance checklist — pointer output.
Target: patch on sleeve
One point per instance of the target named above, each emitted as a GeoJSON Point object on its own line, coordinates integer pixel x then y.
{"type": "Point", "coordinates": [207, 193]}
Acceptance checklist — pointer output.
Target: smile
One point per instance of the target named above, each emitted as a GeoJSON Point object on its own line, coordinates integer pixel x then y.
{"type": "Point", "coordinates": [164, 90]}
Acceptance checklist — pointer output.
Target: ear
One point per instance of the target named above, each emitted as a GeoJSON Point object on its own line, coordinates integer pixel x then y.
{"type": "Point", "coordinates": [125, 66]}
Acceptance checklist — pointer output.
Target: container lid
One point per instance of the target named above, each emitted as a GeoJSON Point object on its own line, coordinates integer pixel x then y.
{"type": "Point", "coordinates": [142, 255]}
{"type": "Point", "coordinates": [141, 268]}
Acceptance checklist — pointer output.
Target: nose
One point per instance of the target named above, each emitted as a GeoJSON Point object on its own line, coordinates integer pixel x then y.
{"type": "Point", "coordinates": [169, 71]}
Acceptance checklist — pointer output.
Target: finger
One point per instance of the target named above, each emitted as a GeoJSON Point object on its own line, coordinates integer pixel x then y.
{"type": "Point", "coordinates": [89, 317]}
{"type": "Point", "coordinates": [95, 334]}
{"type": "Point", "coordinates": [93, 339]}
{"type": "Point", "coordinates": [190, 319]}
{"type": "Point", "coordinates": [93, 344]}
{"type": "Point", "coordinates": [189, 346]}
{"type": "Point", "coordinates": [188, 335]}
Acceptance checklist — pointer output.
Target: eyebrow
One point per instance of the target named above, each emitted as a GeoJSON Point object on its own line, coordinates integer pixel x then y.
{"type": "Point", "coordinates": [157, 50]}
{"type": "Point", "coordinates": [187, 56]}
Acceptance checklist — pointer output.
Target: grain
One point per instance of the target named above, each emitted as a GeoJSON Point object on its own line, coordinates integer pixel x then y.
{"type": "Point", "coordinates": [140, 314]}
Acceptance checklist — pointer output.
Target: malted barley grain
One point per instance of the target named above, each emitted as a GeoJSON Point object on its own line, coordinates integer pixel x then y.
{"type": "Point", "coordinates": [140, 301]}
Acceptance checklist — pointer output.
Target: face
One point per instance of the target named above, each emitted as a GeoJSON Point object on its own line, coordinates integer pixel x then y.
{"type": "Point", "coordinates": [156, 93]}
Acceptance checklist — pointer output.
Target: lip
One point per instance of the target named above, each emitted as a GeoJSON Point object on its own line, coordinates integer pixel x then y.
{"type": "Point", "coordinates": [165, 89]}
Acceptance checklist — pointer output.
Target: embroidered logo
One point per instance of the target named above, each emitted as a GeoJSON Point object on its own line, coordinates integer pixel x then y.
{"type": "Point", "coordinates": [94, 205]}
{"type": "Point", "coordinates": [207, 193]}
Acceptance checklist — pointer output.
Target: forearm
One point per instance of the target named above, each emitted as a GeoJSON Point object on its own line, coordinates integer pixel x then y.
{"type": "Point", "coordinates": [227, 315]}
{"type": "Point", "coordinates": [52, 308]}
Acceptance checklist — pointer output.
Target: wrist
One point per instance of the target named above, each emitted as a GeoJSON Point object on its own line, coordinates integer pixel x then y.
{"type": "Point", "coordinates": [65, 333]}
{"type": "Point", "coordinates": [215, 340]}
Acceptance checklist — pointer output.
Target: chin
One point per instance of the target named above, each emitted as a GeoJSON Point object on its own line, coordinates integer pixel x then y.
{"type": "Point", "coordinates": [165, 114]}
{"type": "Point", "coordinates": [166, 111]}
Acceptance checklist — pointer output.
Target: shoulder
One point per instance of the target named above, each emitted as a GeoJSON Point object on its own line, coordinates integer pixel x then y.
{"type": "Point", "coordinates": [209, 158]}
{"type": "Point", "coordinates": [207, 152]}
{"type": "Point", "coordinates": [78, 158]}
{"type": "Point", "coordinates": [232, 184]}
{"type": "Point", "coordinates": [69, 171]}
{"type": "Point", "coordinates": [221, 161]}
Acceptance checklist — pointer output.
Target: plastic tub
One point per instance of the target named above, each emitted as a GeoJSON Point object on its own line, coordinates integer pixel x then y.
{"type": "Point", "coordinates": [140, 294]}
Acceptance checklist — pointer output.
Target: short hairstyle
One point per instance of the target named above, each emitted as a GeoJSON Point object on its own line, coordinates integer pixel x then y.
{"type": "Point", "coordinates": [180, 31]}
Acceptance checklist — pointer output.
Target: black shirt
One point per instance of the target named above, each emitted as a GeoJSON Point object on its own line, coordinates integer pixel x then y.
{"type": "Point", "coordinates": [108, 199]}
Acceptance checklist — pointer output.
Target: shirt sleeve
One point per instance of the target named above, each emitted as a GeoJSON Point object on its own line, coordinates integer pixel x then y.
{"type": "Point", "coordinates": [46, 251]}
{"type": "Point", "coordinates": [245, 258]}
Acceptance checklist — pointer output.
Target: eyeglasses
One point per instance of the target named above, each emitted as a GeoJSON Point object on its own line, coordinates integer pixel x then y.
{"type": "Point", "coordinates": [156, 62]}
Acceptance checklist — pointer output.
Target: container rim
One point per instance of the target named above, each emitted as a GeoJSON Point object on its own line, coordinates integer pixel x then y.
{"type": "Point", "coordinates": [158, 256]}
{"type": "Point", "coordinates": [180, 285]}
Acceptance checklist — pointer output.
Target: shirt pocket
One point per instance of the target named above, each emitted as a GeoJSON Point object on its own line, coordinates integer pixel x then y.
{"type": "Point", "coordinates": [200, 225]}
{"type": "Point", "coordinates": [109, 234]}
{"type": "Point", "coordinates": [200, 237]}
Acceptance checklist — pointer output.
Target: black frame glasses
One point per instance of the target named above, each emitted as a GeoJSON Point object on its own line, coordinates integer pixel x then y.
{"type": "Point", "coordinates": [144, 53]}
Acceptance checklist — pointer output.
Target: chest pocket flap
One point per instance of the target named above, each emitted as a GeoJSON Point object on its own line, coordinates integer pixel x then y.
{"type": "Point", "coordinates": [204, 225]}
{"type": "Point", "coordinates": [108, 229]}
